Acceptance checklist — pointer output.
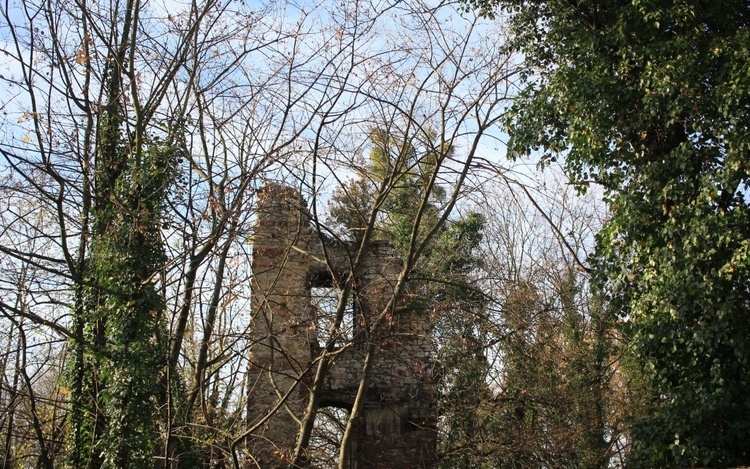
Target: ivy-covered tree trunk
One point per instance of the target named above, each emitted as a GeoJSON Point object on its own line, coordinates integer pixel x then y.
{"type": "Point", "coordinates": [117, 369]}
{"type": "Point", "coordinates": [115, 381]}
{"type": "Point", "coordinates": [126, 310]}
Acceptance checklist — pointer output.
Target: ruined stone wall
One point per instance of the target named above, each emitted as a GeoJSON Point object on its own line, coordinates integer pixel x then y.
{"type": "Point", "coordinates": [282, 330]}
{"type": "Point", "coordinates": [400, 414]}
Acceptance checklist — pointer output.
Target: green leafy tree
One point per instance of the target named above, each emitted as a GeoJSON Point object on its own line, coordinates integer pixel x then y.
{"type": "Point", "coordinates": [651, 100]}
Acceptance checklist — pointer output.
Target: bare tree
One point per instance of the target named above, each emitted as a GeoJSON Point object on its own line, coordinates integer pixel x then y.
{"type": "Point", "coordinates": [219, 100]}
{"type": "Point", "coordinates": [553, 355]}
{"type": "Point", "coordinates": [437, 82]}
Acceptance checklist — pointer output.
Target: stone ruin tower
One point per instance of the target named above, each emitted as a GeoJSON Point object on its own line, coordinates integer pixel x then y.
{"type": "Point", "coordinates": [398, 429]}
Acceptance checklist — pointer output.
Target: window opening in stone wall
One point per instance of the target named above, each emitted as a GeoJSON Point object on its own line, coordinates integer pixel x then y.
{"type": "Point", "coordinates": [324, 301]}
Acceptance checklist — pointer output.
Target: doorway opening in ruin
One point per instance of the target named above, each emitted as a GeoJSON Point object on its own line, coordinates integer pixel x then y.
{"type": "Point", "coordinates": [325, 440]}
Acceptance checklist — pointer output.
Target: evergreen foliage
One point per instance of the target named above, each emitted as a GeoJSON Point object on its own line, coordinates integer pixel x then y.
{"type": "Point", "coordinates": [440, 285]}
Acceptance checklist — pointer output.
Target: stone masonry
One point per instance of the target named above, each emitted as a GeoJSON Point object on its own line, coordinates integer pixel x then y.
{"type": "Point", "coordinates": [398, 430]}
